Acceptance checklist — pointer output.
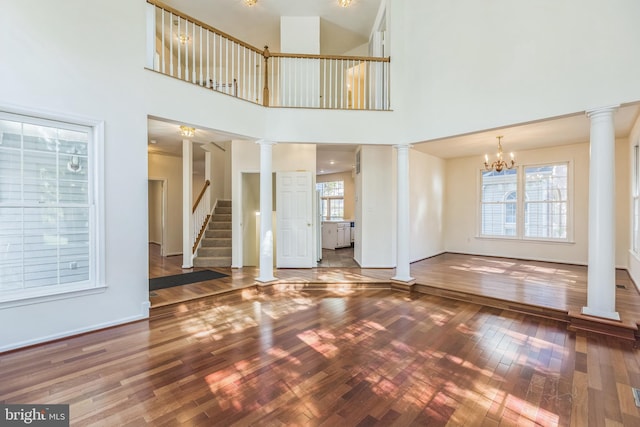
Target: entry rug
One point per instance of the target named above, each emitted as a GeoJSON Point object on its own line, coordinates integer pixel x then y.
{"type": "Point", "coordinates": [183, 279]}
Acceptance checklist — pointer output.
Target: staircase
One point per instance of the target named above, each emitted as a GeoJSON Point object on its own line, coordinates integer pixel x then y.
{"type": "Point", "coordinates": [215, 247]}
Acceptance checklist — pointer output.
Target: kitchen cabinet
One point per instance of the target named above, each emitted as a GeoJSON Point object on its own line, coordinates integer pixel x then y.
{"type": "Point", "coordinates": [336, 234]}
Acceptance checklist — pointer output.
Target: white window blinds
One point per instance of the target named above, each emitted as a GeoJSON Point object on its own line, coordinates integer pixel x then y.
{"type": "Point", "coordinates": [45, 204]}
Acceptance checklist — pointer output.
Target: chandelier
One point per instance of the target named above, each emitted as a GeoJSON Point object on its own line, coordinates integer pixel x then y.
{"type": "Point", "coordinates": [187, 131]}
{"type": "Point", "coordinates": [250, 2]}
{"type": "Point", "coordinates": [344, 3]}
{"type": "Point", "coordinates": [499, 163]}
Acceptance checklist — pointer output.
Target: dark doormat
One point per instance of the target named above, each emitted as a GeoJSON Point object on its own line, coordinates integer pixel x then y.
{"type": "Point", "coordinates": [183, 279]}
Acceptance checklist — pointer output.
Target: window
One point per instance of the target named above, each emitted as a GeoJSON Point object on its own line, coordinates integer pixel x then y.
{"type": "Point", "coordinates": [499, 196]}
{"type": "Point", "coordinates": [332, 199]}
{"type": "Point", "coordinates": [530, 202]}
{"type": "Point", "coordinates": [546, 201]}
{"type": "Point", "coordinates": [47, 212]}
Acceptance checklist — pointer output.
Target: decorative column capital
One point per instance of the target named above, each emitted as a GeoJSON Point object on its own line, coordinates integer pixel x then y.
{"type": "Point", "coordinates": [265, 142]}
{"type": "Point", "coordinates": [602, 111]}
{"type": "Point", "coordinates": [403, 147]}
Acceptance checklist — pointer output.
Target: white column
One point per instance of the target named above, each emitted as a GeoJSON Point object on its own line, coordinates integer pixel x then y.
{"type": "Point", "coordinates": [266, 208]}
{"type": "Point", "coordinates": [601, 283]}
{"type": "Point", "coordinates": [403, 232]}
{"type": "Point", "coordinates": [187, 195]}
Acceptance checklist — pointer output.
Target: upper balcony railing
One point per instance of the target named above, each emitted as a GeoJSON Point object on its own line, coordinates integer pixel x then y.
{"type": "Point", "coordinates": [190, 50]}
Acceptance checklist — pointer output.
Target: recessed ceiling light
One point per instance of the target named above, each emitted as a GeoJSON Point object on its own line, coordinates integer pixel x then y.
{"type": "Point", "coordinates": [332, 162]}
{"type": "Point", "coordinates": [153, 141]}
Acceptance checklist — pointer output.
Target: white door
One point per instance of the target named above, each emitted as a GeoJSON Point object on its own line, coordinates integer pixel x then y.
{"type": "Point", "coordinates": [294, 220]}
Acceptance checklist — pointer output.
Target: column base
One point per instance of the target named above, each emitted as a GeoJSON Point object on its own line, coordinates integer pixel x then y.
{"type": "Point", "coordinates": [402, 284]}
{"type": "Point", "coordinates": [609, 315]}
{"type": "Point", "coordinates": [186, 267]}
{"type": "Point", "coordinates": [266, 280]}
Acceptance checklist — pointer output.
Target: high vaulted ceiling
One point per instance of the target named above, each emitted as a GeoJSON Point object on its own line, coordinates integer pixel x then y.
{"type": "Point", "coordinates": [341, 29]}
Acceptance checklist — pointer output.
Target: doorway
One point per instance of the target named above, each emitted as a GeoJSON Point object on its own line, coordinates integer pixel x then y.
{"type": "Point", "coordinates": [335, 183]}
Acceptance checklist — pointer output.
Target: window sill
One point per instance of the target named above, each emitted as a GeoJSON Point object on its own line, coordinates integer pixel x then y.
{"type": "Point", "coordinates": [527, 240]}
{"type": "Point", "coordinates": [37, 296]}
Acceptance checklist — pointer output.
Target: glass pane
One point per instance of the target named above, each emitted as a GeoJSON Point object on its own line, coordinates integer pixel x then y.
{"type": "Point", "coordinates": [332, 188]}
{"type": "Point", "coordinates": [10, 248]}
{"type": "Point", "coordinates": [546, 220]}
{"type": "Point", "coordinates": [10, 176]}
{"type": "Point", "coordinates": [546, 183]}
{"type": "Point", "coordinates": [40, 246]}
{"type": "Point", "coordinates": [497, 185]}
{"type": "Point", "coordinates": [337, 208]}
{"type": "Point", "coordinates": [10, 134]}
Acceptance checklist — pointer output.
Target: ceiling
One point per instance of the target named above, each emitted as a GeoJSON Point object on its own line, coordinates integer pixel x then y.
{"type": "Point", "coordinates": [561, 131]}
{"type": "Point", "coordinates": [332, 158]}
{"type": "Point", "coordinates": [164, 138]}
{"type": "Point", "coordinates": [341, 29]}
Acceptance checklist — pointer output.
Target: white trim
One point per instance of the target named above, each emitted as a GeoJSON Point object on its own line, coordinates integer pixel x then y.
{"type": "Point", "coordinates": [527, 239]}
{"type": "Point", "coordinates": [78, 331]}
{"type": "Point", "coordinates": [39, 295]}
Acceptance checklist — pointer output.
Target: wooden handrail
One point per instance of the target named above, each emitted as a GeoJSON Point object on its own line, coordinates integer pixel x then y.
{"type": "Point", "coordinates": [204, 188]}
{"type": "Point", "coordinates": [336, 57]}
{"type": "Point", "coordinates": [265, 52]}
{"type": "Point", "coordinates": [202, 24]}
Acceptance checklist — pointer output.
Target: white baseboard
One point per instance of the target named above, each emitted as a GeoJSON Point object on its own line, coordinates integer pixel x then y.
{"type": "Point", "coordinates": [70, 333]}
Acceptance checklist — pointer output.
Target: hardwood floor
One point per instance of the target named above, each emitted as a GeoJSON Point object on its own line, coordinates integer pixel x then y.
{"type": "Point", "coordinates": [557, 291]}
{"type": "Point", "coordinates": [341, 257]}
{"type": "Point", "coordinates": [160, 266]}
{"type": "Point", "coordinates": [307, 358]}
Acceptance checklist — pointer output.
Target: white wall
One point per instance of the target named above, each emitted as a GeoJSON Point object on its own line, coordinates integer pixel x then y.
{"type": "Point", "coordinates": [155, 211]}
{"type": "Point", "coordinates": [375, 244]}
{"type": "Point", "coordinates": [426, 195]}
{"type": "Point", "coordinates": [250, 205]}
{"type": "Point", "coordinates": [75, 64]}
{"type": "Point", "coordinates": [300, 34]}
{"type": "Point", "coordinates": [466, 65]}
{"type": "Point", "coordinates": [245, 157]}
{"type": "Point", "coordinates": [220, 172]}
{"type": "Point", "coordinates": [169, 168]}
{"type": "Point", "coordinates": [462, 205]}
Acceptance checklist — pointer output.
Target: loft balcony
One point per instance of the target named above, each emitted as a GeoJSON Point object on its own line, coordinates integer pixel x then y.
{"type": "Point", "coordinates": [182, 47]}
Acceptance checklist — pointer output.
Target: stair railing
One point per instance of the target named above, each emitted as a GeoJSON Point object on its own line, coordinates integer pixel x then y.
{"type": "Point", "coordinates": [185, 48]}
{"type": "Point", "coordinates": [201, 214]}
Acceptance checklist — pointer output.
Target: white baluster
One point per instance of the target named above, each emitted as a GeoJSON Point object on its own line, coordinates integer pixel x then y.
{"type": "Point", "coordinates": [186, 50]}
{"type": "Point", "coordinates": [164, 67]}
{"type": "Point", "coordinates": [201, 76]}
{"type": "Point", "coordinates": [171, 45]}
{"type": "Point", "coordinates": [226, 65]}
{"type": "Point", "coordinates": [206, 82]}
{"type": "Point", "coordinates": [179, 49]}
